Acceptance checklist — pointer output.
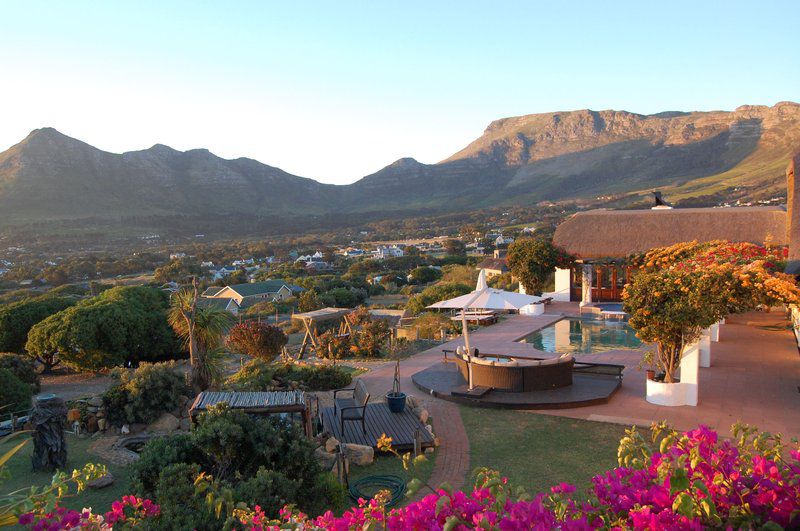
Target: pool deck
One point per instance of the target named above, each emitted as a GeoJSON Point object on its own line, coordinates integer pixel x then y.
{"type": "Point", "coordinates": [754, 376]}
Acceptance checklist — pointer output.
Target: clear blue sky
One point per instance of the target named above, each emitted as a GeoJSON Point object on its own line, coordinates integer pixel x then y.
{"type": "Point", "coordinates": [337, 90]}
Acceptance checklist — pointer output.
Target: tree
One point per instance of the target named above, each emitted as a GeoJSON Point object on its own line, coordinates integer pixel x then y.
{"type": "Point", "coordinates": [533, 261]}
{"type": "Point", "coordinates": [123, 324]}
{"type": "Point", "coordinates": [455, 247]}
{"type": "Point", "coordinates": [436, 293]}
{"type": "Point", "coordinates": [18, 318]}
{"type": "Point", "coordinates": [685, 288]}
{"type": "Point", "coordinates": [309, 301]}
{"type": "Point", "coordinates": [202, 330]}
{"type": "Point", "coordinates": [257, 340]}
{"type": "Point", "coordinates": [177, 270]}
{"type": "Point", "coordinates": [424, 275]}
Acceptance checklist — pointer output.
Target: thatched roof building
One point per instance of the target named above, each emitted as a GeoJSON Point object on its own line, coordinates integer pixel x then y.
{"type": "Point", "coordinates": [619, 233]}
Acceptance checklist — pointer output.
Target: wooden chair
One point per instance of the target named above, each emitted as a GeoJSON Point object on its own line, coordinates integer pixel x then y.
{"type": "Point", "coordinates": [354, 408]}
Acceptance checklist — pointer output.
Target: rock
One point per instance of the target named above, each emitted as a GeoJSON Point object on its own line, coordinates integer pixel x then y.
{"type": "Point", "coordinates": [101, 413]}
{"type": "Point", "coordinates": [101, 482]}
{"type": "Point", "coordinates": [423, 416]}
{"type": "Point", "coordinates": [186, 424]}
{"type": "Point", "coordinates": [95, 401]}
{"type": "Point", "coordinates": [165, 423]}
{"type": "Point", "coordinates": [73, 415]}
{"type": "Point", "coordinates": [102, 424]}
{"type": "Point", "coordinates": [91, 424]}
{"type": "Point", "coordinates": [125, 429]}
{"type": "Point", "coordinates": [92, 409]}
{"type": "Point", "coordinates": [183, 400]}
{"type": "Point", "coordinates": [429, 450]}
{"type": "Point", "coordinates": [326, 459]}
{"type": "Point", "coordinates": [331, 444]}
{"type": "Point", "coordinates": [359, 454]}
{"type": "Point", "coordinates": [138, 428]}
{"type": "Point", "coordinates": [412, 401]}
{"type": "Point", "coordinates": [177, 413]}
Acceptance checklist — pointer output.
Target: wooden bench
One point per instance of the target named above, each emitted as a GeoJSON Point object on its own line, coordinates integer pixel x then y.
{"type": "Point", "coordinates": [353, 408]}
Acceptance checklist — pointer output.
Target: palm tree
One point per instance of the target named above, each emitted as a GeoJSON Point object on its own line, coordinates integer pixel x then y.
{"type": "Point", "coordinates": [202, 329]}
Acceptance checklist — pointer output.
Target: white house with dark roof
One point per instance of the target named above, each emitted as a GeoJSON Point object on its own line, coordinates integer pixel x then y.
{"type": "Point", "coordinates": [245, 295]}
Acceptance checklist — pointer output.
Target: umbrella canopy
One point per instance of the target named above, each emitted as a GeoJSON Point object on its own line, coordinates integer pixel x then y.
{"type": "Point", "coordinates": [488, 299]}
{"type": "Point", "coordinates": [484, 299]}
{"type": "Point", "coordinates": [481, 285]}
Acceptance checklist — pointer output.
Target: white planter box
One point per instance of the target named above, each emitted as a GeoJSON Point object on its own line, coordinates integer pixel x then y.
{"type": "Point", "coordinates": [669, 394]}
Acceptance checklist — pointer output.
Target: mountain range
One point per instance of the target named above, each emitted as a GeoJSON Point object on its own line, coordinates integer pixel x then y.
{"type": "Point", "coordinates": [609, 158]}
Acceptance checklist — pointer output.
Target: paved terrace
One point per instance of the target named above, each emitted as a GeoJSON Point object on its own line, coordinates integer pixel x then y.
{"type": "Point", "coordinates": [754, 378]}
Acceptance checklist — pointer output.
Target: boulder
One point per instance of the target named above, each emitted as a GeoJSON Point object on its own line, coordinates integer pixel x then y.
{"type": "Point", "coordinates": [186, 424]}
{"type": "Point", "coordinates": [429, 450]}
{"type": "Point", "coordinates": [359, 454]}
{"type": "Point", "coordinates": [92, 409]}
{"type": "Point", "coordinates": [331, 444]}
{"type": "Point", "coordinates": [102, 424]}
{"type": "Point", "coordinates": [101, 482]}
{"type": "Point", "coordinates": [165, 423]}
{"type": "Point", "coordinates": [91, 424]}
{"type": "Point", "coordinates": [137, 427]}
{"type": "Point", "coordinates": [183, 400]}
{"type": "Point", "coordinates": [73, 415]}
{"type": "Point", "coordinates": [326, 459]}
{"type": "Point", "coordinates": [95, 401]}
{"type": "Point", "coordinates": [412, 401]}
{"type": "Point", "coordinates": [423, 416]}
{"type": "Point", "coordinates": [101, 413]}
{"type": "Point", "coordinates": [125, 429]}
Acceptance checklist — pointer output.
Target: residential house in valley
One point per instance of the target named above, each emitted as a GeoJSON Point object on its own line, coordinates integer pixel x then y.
{"type": "Point", "coordinates": [245, 295]}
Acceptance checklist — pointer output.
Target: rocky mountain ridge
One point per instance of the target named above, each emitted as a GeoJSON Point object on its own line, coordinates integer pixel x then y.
{"type": "Point", "coordinates": [562, 156]}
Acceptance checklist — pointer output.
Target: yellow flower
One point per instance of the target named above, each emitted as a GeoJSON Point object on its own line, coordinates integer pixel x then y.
{"type": "Point", "coordinates": [384, 443]}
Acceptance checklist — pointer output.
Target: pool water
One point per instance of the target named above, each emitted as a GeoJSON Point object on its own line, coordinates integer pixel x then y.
{"type": "Point", "coordinates": [583, 335]}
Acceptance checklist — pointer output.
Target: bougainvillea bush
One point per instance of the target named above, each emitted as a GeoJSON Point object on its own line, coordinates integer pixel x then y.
{"type": "Point", "coordinates": [665, 480]}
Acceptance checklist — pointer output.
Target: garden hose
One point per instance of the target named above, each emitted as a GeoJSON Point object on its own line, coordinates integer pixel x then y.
{"type": "Point", "coordinates": [361, 488]}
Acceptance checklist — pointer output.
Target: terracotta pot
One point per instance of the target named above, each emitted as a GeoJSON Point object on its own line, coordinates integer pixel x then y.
{"type": "Point", "coordinates": [651, 374]}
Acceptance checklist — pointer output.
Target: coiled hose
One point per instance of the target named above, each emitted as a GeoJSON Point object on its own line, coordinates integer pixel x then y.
{"type": "Point", "coordinates": [368, 486]}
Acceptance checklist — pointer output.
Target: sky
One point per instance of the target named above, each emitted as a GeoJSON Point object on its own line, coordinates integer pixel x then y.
{"type": "Point", "coordinates": [337, 90]}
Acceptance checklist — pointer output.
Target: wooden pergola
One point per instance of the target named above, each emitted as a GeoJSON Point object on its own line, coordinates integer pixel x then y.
{"type": "Point", "coordinates": [257, 403]}
{"type": "Point", "coordinates": [311, 321]}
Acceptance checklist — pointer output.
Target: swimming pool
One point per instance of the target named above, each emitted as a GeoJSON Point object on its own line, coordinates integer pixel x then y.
{"type": "Point", "coordinates": [583, 335]}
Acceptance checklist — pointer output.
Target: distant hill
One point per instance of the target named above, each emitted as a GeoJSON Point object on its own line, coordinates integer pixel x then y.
{"type": "Point", "coordinates": [614, 157]}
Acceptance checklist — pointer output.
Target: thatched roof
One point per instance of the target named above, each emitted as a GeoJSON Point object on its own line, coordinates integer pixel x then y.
{"type": "Point", "coordinates": [619, 233]}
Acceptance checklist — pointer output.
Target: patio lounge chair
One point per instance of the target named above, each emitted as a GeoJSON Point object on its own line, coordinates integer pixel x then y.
{"type": "Point", "coordinates": [354, 408]}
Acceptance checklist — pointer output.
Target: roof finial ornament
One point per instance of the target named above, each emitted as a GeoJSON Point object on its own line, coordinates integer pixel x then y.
{"type": "Point", "coordinates": [661, 204]}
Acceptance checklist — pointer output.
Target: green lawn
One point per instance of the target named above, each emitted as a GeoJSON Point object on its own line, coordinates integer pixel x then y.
{"type": "Point", "coordinates": [20, 475]}
{"type": "Point", "coordinates": [539, 451]}
{"type": "Point", "coordinates": [390, 464]}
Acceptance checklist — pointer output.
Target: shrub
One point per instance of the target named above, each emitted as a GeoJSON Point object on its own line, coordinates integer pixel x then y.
{"type": "Point", "coordinates": [156, 456]}
{"type": "Point", "coordinates": [332, 345]}
{"type": "Point", "coordinates": [371, 337]}
{"type": "Point", "coordinates": [23, 368]}
{"type": "Point", "coordinates": [431, 324]}
{"type": "Point", "coordinates": [15, 395]}
{"type": "Point", "coordinates": [424, 275]}
{"type": "Point", "coordinates": [259, 376]}
{"type": "Point", "coordinates": [260, 460]}
{"type": "Point", "coordinates": [146, 393]}
{"type": "Point", "coordinates": [255, 375]}
{"type": "Point", "coordinates": [257, 340]}
{"type": "Point", "coordinates": [436, 293]}
{"type": "Point", "coordinates": [315, 377]}
{"type": "Point", "coordinates": [181, 507]}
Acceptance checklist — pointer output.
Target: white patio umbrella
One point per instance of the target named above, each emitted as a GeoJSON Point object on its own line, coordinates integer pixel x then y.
{"type": "Point", "coordinates": [484, 298]}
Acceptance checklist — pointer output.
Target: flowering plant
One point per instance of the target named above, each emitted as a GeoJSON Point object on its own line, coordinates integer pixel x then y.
{"type": "Point", "coordinates": [129, 513]}
{"type": "Point", "coordinates": [684, 288]}
{"type": "Point", "coordinates": [667, 480]}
